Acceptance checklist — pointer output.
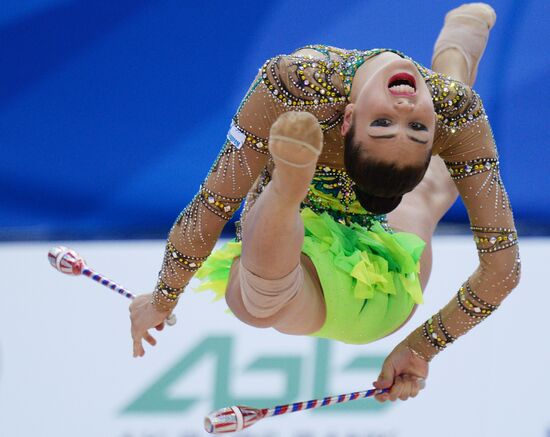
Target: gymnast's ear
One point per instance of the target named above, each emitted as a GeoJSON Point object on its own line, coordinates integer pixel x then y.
{"type": "Point", "coordinates": [348, 117]}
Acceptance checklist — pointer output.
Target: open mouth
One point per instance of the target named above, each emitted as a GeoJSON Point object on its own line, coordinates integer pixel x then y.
{"type": "Point", "coordinates": [402, 84]}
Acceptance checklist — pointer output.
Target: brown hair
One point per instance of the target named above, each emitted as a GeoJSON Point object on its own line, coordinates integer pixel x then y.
{"type": "Point", "coordinates": [379, 186]}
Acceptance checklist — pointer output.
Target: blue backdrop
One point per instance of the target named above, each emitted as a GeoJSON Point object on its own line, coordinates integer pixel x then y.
{"type": "Point", "coordinates": [111, 112]}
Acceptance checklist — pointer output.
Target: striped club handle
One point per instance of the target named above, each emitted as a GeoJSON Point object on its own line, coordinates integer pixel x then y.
{"type": "Point", "coordinates": [318, 403]}
{"type": "Point", "coordinates": [87, 271]}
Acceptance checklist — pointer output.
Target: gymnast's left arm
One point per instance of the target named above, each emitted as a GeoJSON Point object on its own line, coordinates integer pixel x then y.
{"type": "Point", "coordinates": [469, 151]}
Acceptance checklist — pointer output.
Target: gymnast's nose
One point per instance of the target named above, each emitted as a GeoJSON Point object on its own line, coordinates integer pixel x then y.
{"type": "Point", "coordinates": [404, 104]}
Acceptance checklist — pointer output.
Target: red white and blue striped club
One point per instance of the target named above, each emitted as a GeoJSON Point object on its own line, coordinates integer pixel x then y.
{"type": "Point", "coordinates": [237, 418]}
{"type": "Point", "coordinates": [70, 262]}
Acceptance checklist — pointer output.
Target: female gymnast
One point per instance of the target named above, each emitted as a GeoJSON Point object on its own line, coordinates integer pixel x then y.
{"type": "Point", "coordinates": [347, 160]}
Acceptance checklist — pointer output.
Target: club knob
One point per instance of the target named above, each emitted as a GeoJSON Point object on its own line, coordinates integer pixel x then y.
{"type": "Point", "coordinates": [66, 260]}
{"type": "Point", "coordinates": [231, 419]}
{"type": "Point", "coordinates": [171, 320]}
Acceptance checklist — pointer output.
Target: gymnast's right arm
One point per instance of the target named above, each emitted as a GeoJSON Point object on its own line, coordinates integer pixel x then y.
{"type": "Point", "coordinates": [471, 156]}
{"type": "Point", "coordinates": [466, 144]}
{"type": "Point", "coordinates": [199, 225]}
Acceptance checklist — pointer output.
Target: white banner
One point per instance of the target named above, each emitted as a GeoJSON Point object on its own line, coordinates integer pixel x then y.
{"type": "Point", "coordinates": [66, 367]}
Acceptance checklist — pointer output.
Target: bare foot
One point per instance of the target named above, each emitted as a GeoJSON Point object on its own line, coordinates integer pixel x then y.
{"type": "Point", "coordinates": [295, 143]}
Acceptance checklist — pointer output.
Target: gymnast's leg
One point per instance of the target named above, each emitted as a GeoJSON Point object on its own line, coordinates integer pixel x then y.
{"type": "Point", "coordinates": [462, 41]}
{"type": "Point", "coordinates": [273, 284]}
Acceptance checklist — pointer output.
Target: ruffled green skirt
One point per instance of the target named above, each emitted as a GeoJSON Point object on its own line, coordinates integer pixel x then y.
{"type": "Point", "coordinates": [369, 276]}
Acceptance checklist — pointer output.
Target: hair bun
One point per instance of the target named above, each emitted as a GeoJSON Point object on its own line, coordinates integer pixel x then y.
{"type": "Point", "coordinates": [376, 204]}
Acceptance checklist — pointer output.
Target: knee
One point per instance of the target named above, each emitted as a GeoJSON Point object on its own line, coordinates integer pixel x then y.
{"type": "Point", "coordinates": [263, 298]}
{"type": "Point", "coordinates": [234, 300]}
{"type": "Point", "coordinates": [258, 301]}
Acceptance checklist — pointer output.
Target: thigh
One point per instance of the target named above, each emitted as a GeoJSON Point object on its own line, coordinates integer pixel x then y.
{"type": "Point", "coordinates": [303, 315]}
{"type": "Point", "coordinates": [410, 219]}
{"type": "Point", "coordinates": [421, 210]}
{"type": "Point", "coordinates": [413, 216]}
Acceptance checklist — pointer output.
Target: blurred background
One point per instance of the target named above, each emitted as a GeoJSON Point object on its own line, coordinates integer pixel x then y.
{"type": "Point", "coordinates": [111, 114]}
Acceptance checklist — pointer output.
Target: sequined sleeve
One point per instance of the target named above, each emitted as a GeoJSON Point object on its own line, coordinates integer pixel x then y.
{"type": "Point", "coordinates": [467, 145]}
{"type": "Point", "coordinates": [238, 165]}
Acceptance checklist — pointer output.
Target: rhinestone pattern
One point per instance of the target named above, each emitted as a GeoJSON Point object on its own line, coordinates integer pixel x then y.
{"type": "Point", "coordinates": [491, 185]}
{"type": "Point", "coordinates": [459, 170]}
{"type": "Point", "coordinates": [224, 207]}
{"type": "Point", "coordinates": [432, 335]}
{"type": "Point", "coordinates": [314, 78]}
{"type": "Point", "coordinates": [189, 263]}
{"type": "Point", "coordinates": [489, 240]}
{"type": "Point", "coordinates": [336, 184]}
{"type": "Point", "coordinates": [456, 105]}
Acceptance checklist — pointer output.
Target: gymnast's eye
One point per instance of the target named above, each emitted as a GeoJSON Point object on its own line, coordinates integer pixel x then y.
{"type": "Point", "coordinates": [381, 122]}
{"type": "Point", "coordinates": [417, 126]}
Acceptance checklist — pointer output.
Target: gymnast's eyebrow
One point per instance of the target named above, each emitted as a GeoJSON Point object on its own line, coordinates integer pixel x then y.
{"type": "Point", "coordinates": [393, 135]}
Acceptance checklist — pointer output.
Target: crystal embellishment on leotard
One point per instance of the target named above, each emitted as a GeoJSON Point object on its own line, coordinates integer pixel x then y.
{"type": "Point", "coordinates": [331, 191]}
{"type": "Point", "coordinates": [229, 160]}
{"type": "Point", "coordinates": [472, 305]}
{"type": "Point", "coordinates": [462, 169]}
{"type": "Point", "coordinates": [189, 263]}
{"type": "Point", "coordinates": [431, 334]}
{"type": "Point", "coordinates": [455, 104]}
{"type": "Point", "coordinates": [253, 141]}
{"type": "Point", "coordinates": [314, 89]}
{"type": "Point", "coordinates": [224, 207]}
{"type": "Point", "coordinates": [169, 293]}
{"type": "Point", "coordinates": [491, 184]}
{"type": "Point", "coordinates": [489, 240]}
{"type": "Point", "coordinates": [476, 308]}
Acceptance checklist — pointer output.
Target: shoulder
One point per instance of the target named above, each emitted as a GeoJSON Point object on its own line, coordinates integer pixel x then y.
{"type": "Point", "coordinates": [456, 104]}
{"type": "Point", "coordinates": [298, 81]}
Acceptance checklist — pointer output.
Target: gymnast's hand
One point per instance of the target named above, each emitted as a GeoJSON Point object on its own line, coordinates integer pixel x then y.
{"type": "Point", "coordinates": [404, 372]}
{"type": "Point", "coordinates": [144, 317]}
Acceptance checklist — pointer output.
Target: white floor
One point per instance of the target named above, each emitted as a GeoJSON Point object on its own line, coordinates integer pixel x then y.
{"type": "Point", "coordinates": [66, 366]}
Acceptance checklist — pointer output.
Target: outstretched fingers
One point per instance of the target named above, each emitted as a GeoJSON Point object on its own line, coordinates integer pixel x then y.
{"type": "Point", "coordinates": [143, 317]}
{"type": "Point", "coordinates": [139, 351]}
{"type": "Point", "coordinates": [149, 338]}
{"type": "Point", "coordinates": [138, 348]}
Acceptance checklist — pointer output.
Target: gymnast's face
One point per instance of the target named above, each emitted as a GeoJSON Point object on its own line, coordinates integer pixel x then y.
{"type": "Point", "coordinates": [394, 115]}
